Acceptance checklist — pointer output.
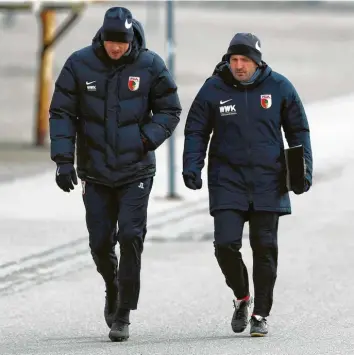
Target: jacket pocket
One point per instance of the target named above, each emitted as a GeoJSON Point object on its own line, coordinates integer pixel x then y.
{"type": "Point", "coordinates": [130, 144]}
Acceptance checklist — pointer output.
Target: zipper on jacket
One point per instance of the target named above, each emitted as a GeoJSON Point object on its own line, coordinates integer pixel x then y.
{"type": "Point", "coordinates": [119, 73]}
{"type": "Point", "coordinates": [105, 117]}
{"type": "Point", "coordinates": [249, 153]}
{"type": "Point", "coordinates": [105, 103]}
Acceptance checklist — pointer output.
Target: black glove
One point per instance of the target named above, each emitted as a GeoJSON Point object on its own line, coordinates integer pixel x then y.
{"type": "Point", "coordinates": [302, 189]}
{"type": "Point", "coordinates": [66, 176]}
{"type": "Point", "coordinates": [192, 181]}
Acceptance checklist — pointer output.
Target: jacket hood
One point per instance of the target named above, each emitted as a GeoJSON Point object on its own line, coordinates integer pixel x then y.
{"type": "Point", "coordinates": [138, 43]}
{"type": "Point", "coordinates": [222, 70]}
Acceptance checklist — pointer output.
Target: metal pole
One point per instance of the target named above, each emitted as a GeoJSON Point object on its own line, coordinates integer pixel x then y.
{"type": "Point", "coordinates": [170, 64]}
{"type": "Point", "coordinates": [45, 76]}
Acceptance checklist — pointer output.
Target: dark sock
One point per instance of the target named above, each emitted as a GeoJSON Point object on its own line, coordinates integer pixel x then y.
{"type": "Point", "coordinates": [123, 315]}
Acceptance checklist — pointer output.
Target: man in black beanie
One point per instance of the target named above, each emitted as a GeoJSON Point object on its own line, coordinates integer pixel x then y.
{"type": "Point", "coordinates": [246, 105]}
{"type": "Point", "coordinates": [115, 103]}
{"type": "Point", "coordinates": [117, 32]}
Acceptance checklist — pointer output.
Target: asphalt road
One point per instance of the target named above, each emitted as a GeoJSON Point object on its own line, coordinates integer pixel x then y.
{"type": "Point", "coordinates": [185, 307]}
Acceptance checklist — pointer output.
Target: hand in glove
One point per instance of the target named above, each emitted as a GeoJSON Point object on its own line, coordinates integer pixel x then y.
{"type": "Point", "coordinates": [192, 181]}
{"type": "Point", "coordinates": [66, 177]}
{"type": "Point", "coordinates": [305, 188]}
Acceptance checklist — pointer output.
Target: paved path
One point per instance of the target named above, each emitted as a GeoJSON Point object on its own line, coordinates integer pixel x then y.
{"type": "Point", "coordinates": [185, 306]}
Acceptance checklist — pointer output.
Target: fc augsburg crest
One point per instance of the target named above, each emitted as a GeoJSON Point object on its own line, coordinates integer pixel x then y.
{"type": "Point", "coordinates": [266, 101]}
{"type": "Point", "coordinates": [133, 83]}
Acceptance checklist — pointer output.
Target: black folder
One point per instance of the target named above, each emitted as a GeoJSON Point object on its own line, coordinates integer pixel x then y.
{"type": "Point", "coordinates": [295, 166]}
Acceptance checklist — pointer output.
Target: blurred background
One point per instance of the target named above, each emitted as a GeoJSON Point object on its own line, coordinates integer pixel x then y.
{"type": "Point", "coordinates": [310, 42]}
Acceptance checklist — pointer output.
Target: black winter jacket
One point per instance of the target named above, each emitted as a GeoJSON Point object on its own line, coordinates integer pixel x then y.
{"type": "Point", "coordinates": [104, 108]}
{"type": "Point", "coordinates": [244, 127]}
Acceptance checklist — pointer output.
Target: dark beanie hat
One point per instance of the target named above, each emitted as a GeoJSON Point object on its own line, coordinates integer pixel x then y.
{"type": "Point", "coordinates": [118, 25]}
{"type": "Point", "coordinates": [245, 44]}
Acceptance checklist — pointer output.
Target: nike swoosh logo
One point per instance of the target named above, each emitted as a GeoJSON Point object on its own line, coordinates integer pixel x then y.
{"type": "Point", "coordinates": [90, 82]}
{"type": "Point", "coordinates": [127, 24]}
{"type": "Point", "coordinates": [224, 102]}
{"type": "Point", "coordinates": [258, 47]}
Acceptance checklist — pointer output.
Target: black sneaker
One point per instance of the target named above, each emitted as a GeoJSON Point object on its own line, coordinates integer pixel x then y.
{"type": "Point", "coordinates": [111, 304]}
{"type": "Point", "coordinates": [119, 331]}
{"type": "Point", "coordinates": [240, 317]}
{"type": "Point", "coordinates": [259, 327]}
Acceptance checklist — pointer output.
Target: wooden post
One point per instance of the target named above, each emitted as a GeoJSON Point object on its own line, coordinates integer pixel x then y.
{"type": "Point", "coordinates": [45, 76]}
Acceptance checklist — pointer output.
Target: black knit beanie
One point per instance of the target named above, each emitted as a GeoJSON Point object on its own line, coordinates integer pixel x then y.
{"type": "Point", "coordinates": [245, 44]}
{"type": "Point", "coordinates": [118, 25]}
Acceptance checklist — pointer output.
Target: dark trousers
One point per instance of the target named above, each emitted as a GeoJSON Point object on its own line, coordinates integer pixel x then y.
{"type": "Point", "coordinates": [263, 240]}
{"type": "Point", "coordinates": [127, 206]}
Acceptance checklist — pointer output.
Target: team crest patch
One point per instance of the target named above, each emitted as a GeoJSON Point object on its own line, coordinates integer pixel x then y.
{"type": "Point", "coordinates": [266, 101]}
{"type": "Point", "coordinates": [133, 83]}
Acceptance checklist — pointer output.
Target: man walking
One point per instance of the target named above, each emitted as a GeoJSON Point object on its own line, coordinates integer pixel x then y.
{"type": "Point", "coordinates": [115, 102]}
{"type": "Point", "coordinates": [245, 104]}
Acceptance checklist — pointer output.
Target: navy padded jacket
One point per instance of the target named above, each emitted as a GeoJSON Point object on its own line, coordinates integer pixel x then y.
{"type": "Point", "coordinates": [97, 110]}
{"type": "Point", "coordinates": [246, 163]}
